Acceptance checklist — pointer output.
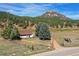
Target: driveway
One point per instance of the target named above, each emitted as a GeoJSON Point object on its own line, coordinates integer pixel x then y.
{"type": "Point", "coordinates": [70, 51]}
{"type": "Point", "coordinates": [59, 50]}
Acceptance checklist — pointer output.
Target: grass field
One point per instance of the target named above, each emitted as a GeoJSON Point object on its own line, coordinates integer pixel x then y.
{"type": "Point", "coordinates": [24, 47]}
{"type": "Point", "coordinates": [73, 35]}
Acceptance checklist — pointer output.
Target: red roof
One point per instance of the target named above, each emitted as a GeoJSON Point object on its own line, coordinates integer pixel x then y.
{"type": "Point", "coordinates": [25, 32]}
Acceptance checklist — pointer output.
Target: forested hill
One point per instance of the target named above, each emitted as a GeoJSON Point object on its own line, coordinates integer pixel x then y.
{"type": "Point", "coordinates": [51, 18]}
{"type": "Point", "coordinates": [18, 20]}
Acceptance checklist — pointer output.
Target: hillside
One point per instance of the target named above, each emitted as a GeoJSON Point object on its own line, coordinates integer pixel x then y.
{"type": "Point", "coordinates": [52, 18]}
{"type": "Point", "coordinates": [55, 19]}
{"type": "Point", "coordinates": [8, 17]}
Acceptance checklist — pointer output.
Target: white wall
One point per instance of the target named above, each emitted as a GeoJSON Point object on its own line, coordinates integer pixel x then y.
{"type": "Point", "coordinates": [24, 36]}
{"type": "Point", "coordinates": [27, 36]}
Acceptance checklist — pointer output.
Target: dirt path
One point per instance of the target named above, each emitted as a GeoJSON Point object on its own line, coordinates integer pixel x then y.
{"type": "Point", "coordinates": [54, 43]}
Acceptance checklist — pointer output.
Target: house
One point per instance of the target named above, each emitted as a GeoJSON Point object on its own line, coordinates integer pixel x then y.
{"type": "Point", "coordinates": [26, 34]}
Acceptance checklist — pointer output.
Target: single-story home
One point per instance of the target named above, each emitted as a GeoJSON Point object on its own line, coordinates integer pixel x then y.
{"type": "Point", "coordinates": [26, 34]}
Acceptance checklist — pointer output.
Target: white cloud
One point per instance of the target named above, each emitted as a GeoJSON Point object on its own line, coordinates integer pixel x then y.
{"type": "Point", "coordinates": [32, 8]}
{"type": "Point", "coordinates": [75, 16]}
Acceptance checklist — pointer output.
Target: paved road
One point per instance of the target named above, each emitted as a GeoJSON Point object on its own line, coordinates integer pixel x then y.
{"type": "Point", "coordinates": [62, 52]}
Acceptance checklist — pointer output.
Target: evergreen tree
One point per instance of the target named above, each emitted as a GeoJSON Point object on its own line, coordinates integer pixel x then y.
{"type": "Point", "coordinates": [10, 32]}
{"type": "Point", "coordinates": [42, 31]}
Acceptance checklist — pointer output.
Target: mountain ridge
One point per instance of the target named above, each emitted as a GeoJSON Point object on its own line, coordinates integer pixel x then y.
{"type": "Point", "coordinates": [54, 14]}
{"type": "Point", "coordinates": [49, 14]}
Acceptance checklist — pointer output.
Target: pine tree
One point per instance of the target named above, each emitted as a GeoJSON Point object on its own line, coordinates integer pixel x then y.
{"type": "Point", "coordinates": [42, 31]}
{"type": "Point", "coordinates": [10, 32]}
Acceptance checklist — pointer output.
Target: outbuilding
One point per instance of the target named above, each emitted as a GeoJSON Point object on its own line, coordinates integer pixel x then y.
{"type": "Point", "coordinates": [26, 34]}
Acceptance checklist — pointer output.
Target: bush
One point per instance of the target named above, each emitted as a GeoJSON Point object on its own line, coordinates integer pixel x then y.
{"type": "Point", "coordinates": [42, 31]}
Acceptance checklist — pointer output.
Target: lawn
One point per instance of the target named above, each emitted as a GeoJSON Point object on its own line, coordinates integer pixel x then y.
{"type": "Point", "coordinates": [24, 47]}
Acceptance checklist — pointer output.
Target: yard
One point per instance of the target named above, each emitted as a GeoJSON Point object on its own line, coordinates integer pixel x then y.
{"type": "Point", "coordinates": [24, 47]}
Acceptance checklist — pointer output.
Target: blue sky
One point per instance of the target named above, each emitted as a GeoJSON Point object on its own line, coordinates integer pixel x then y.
{"type": "Point", "coordinates": [36, 9]}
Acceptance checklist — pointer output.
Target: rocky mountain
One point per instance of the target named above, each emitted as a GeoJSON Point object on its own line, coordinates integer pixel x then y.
{"type": "Point", "coordinates": [52, 14]}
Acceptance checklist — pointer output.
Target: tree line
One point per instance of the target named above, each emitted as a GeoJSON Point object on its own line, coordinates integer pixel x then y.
{"type": "Point", "coordinates": [23, 21]}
